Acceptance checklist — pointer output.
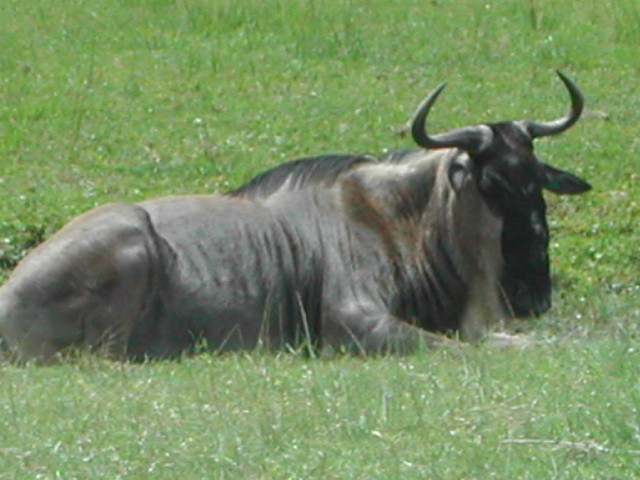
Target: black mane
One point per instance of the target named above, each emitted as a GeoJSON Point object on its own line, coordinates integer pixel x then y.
{"type": "Point", "coordinates": [299, 173]}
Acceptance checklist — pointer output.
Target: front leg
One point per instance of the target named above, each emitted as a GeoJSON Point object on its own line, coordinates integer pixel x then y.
{"type": "Point", "coordinates": [371, 331]}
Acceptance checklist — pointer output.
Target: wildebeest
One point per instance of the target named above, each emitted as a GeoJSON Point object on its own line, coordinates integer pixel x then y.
{"type": "Point", "coordinates": [339, 252]}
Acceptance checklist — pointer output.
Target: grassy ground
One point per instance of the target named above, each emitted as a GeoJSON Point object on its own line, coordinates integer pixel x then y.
{"type": "Point", "coordinates": [561, 412]}
{"type": "Point", "coordinates": [124, 100]}
{"type": "Point", "coordinates": [569, 413]}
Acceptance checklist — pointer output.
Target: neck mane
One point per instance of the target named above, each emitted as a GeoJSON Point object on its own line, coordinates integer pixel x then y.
{"type": "Point", "coordinates": [298, 174]}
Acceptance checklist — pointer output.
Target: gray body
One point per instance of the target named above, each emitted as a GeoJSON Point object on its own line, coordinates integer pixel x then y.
{"type": "Point", "coordinates": [324, 265]}
{"type": "Point", "coordinates": [332, 253]}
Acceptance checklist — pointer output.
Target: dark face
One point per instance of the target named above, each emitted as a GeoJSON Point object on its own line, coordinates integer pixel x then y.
{"type": "Point", "coordinates": [511, 179]}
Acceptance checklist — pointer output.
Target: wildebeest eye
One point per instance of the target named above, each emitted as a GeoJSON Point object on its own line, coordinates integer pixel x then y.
{"type": "Point", "coordinates": [491, 182]}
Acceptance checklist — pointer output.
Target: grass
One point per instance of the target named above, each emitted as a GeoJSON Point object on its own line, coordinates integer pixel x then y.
{"type": "Point", "coordinates": [130, 99]}
{"type": "Point", "coordinates": [258, 416]}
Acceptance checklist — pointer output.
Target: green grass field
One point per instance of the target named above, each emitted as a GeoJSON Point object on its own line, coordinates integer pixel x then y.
{"type": "Point", "coordinates": [131, 99]}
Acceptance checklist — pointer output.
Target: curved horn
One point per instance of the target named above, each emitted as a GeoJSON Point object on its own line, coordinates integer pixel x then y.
{"type": "Point", "coordinates": [543, 129]}
{"type": "Point", "coordinates": [469, 139]}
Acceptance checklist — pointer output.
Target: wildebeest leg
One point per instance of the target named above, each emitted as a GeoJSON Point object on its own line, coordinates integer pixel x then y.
{"type": "Point", "coordinates": [378, 333]}
{"type": "Point", "coordinates": [391, 335]}
{"type": "Point", "coordinates": [83, 288]}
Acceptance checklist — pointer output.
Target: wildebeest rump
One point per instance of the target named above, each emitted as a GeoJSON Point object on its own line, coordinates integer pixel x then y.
{"type": "Point", "coordinates": [338, 252]}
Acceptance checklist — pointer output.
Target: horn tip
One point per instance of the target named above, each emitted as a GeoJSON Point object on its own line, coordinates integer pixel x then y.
{"type": "Point", "coordinates": [563, 76]}
{"type": "Point", "coordinates": [568, 82]}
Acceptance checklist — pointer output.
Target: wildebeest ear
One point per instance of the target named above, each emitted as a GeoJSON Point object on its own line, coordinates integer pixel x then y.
{"type": "Point", "coordinates": [562, 182]}
{"type": "Point", "coordinates": [459, 172]}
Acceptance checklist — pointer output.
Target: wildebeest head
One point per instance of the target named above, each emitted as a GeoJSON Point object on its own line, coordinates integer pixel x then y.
{"type": "Point", "coordinates": [511, 179]}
